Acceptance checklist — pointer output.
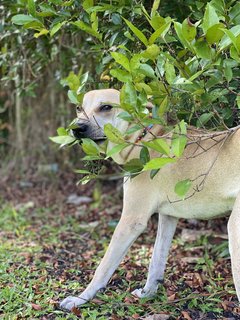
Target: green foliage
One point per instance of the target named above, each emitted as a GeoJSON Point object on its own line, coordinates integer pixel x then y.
{"type": "Point", "coordinates": [184, 57]}
{"type": "Point", "coordinates": [32, 283]}
{"type": "Point", "coordinates": [182, 187]}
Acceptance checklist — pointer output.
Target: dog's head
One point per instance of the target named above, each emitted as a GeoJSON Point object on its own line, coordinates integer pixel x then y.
{"type": "Point", "coordinates": [99, 108]}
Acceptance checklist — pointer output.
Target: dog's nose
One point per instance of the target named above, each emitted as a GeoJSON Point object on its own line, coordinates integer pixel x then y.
{"type": "Point", "coordinates": [80, 132]}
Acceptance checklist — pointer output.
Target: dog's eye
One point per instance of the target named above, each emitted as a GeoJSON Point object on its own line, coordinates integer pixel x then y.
{"type": "Point", "coordinates": [105, 107]}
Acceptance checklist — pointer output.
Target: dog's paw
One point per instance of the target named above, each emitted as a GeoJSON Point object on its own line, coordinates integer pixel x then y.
{"type": "Point", "coordinates": [142, 293]}
{"type": "Point", "coordinates": [71, 302]}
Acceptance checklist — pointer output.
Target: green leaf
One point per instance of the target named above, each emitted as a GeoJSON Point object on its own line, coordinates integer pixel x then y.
{"type": "Point", "coordinates": [202, 49]}
{"type": "Point", "coordinates": [90, 147]}
{"type": "Point", "coordinates": [151, 52]}
{"type": "Point", "coordinates": [163, 106]}
{"type": "Point", "coordinates": [137, 32]}
{"type": "Point", "coordinates": [133, 166]}
{"type": "Point", "coordinates": [159, 145]}
{"type": "Point", "coordinates": [179, 139]}
{"type": "Point", "coordinates": [87, 4]}
{"type": "Point", "coordinates": [234, 13]}
{"type": "Point", "coordinates": [228, 72]}
{"type": "Point", "coordinates": [82, 171]}
{"type": "Point", "coordinates": [21, 19]}
{"type": "Point", "coordinates": [189, 30]}
{"type": "Point", "coordinates": [116, 149]}
{"type": "Point", "coordinates": [63, 140]}
{"type": "Point", "coordinates": [155, 7]}
{"type": "Point", "coordinates": [144, 155]}
{"type": "Point", "coordinates": [158, 163]}
{"type": "Point", "coordinates": [72, 81]}
{"type": "Point", "coordinates": [196, 75]}
{"type": "Point", "coordinates": [170, 72]}
{"type": "Point", "coordinates": [73, 97]}
{"type": "Point", "coordinates": [121, 59]}
{"type": "Point", "coordinates": [141, 86]}
{"type": "Point", "coordinates": [226, 40]}
{"type": "Point", "coordinates": [156, 22]}
{"type": "Point", "coordinates": [238, 101]}
{"type": "Point", "coordinates": [125, 116]}
{"type": "Point", "coordinates": [210, 18]}
{"type": "Point", "coordinates": [147, 70]}
{"type": "Point", "coordinates": [153, 173]}
{"type": "Point", "coordinates": [178, 29]}
{"type": "Point", "coordinates": [234, 54]}
{"type": "Point", "coordinates": [113, 134]}
{"type": "Point", "coordinates": [160, 32]}
{"type": "Point", "coordinates": [47, 10]}
{"type": "Point", "coordinates": [182, 187]}
{"type": "Point", "coordinates": [92, 158]}
{"type": "Point", "coordinates": [56, 28]}
{"type": "Point", "coordinates": [82, 82]}
{"type": "Point", "coordinates": [32, 7]}
{"type": "Point", "coordinates": [204, 118]}
{"type": "Point", "coordinates": [215, 33]}
{"type": "Point", "coordinates": [128, 97]}
{"type": "Point", "coordinates": [232, 37]}
{"type": "Point", "coordinates": [62, 131]}
{"type": "Point", "coordinates": [133, 129]}
{"type": "Point", "coordinates": [36, 25]}
{"type": "Point", "coordinates": [121, 75]}
{"type": "Point", "coordinates": [41, 33]}
{"type": "Point", "coordinates": [85, 27]}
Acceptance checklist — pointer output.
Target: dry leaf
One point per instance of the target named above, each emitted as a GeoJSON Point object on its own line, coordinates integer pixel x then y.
{"type": "Point", "coordinates": [36, 306]}
{"type": "Point", "coordinates": [76, 311]}
{"type": "Point", "coordinates": [159, 316]}
{"type": "Point", "coordinates": [186, 315]}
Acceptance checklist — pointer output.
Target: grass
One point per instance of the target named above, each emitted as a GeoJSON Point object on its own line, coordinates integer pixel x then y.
{"type": "Point", "coordinates": [46, 256]}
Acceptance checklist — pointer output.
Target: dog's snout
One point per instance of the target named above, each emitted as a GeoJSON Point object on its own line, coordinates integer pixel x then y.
{"type": "Point", "coordinates": [82, 127]}
{"type": "Point", "coordinates": [80, 132]}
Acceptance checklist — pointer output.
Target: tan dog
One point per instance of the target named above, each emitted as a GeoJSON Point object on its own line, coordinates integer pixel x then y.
{"type": "Point", "coordinates": [212, 162]}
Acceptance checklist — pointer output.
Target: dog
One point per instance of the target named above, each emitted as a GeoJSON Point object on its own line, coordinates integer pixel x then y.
{"type": "Point", "coordinates": [210, 160]}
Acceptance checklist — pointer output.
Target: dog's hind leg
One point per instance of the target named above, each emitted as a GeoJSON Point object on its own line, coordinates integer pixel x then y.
{"type": "Point", "coordinates": [166, 229]}
{"type": "Point", "coordinates": [137, 209]}
{"type": "Point", "coordinates": [234, 243]}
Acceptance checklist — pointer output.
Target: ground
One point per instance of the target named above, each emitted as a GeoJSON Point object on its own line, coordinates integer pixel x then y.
{"type": "Point", "coordinates": [49, 249]}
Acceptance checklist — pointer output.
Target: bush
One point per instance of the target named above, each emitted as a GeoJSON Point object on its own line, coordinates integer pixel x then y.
{"type": "Point", "coordinates": [186, 64]}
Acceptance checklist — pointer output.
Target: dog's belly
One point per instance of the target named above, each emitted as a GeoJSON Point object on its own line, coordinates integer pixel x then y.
{"type": "Point", "coordinates": [203, 209]}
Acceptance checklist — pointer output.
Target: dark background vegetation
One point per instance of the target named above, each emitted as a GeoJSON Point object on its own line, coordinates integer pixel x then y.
{"type": "Point", "coordinates": [49, 245]}
{"type": "Point", "coordinates": [33, 103]}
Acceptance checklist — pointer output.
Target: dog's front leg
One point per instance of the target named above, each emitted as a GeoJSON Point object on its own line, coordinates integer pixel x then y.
{"type": "Point", "coordinates": [234, 243]}
{"type": "Point", "coordinates": [136, 213]}
{"type": "Point", "coordinates": [166, 229]}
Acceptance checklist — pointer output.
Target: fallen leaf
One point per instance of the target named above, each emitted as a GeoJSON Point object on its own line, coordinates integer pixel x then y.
{"type": "Point", "coordinates": [159, 316]}
{"type": "Point", "coordinates": [190, 260]}
{"type": "Point", "coordinates": [76, 311]}
{"type": "Point", "coordinates": [97, 301]}
{"type": "Point", "coordinates": [36, 306]}
{"type": "Point", "coordinates": [129, 300]}
{"type": "Point", "coordinates": [172, 297]}
{"type": "Point", "coordinates": [186, 315]}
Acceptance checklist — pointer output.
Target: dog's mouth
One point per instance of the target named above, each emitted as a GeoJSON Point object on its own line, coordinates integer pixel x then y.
{"type": "Point", "coordinates": [99, 139]}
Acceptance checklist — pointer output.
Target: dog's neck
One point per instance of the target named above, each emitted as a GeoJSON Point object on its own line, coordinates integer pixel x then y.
{"type": "Point", "coordinates": [133, 150]}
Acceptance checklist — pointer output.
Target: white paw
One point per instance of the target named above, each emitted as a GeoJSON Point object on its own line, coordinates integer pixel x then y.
{"type": "Point", "coordinates": [142, 293]}
{"type": "Point", "coordinates": [71, 302]}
